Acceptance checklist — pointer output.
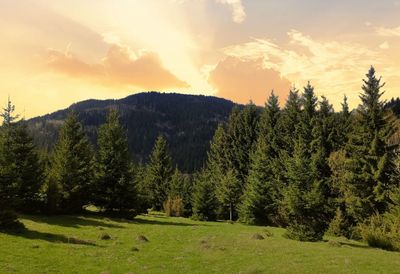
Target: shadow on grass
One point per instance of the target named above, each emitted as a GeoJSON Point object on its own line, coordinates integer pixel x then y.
{"type": "Point", "coordinates": [355, 245]}
{"type": "Point", "coordinates": [73, 221]}
{"type": "Point", "coordinates": [49, 237]}
{"type": "Point", "coordinates": [166, 223]}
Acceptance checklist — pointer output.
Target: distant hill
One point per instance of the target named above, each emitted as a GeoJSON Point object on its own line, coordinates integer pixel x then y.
{"type": "Point", "coordinates": [187, 121]}
{"type": "Point", "coordinates": [394, 104]}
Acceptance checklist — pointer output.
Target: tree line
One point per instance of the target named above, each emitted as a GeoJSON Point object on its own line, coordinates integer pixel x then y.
{"type": "Point", "coordinates": [303, 166]}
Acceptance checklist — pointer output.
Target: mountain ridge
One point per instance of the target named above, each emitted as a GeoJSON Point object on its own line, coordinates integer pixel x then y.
{"type": "Point", "coordinates": [187, 121]}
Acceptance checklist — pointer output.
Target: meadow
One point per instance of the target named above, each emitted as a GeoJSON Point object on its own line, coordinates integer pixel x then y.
{"type": "Point", "coordinates": [158, 244]}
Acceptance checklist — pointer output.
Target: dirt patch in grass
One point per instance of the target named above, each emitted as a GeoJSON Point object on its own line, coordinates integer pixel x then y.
{"type": "Point", "coordinates": [142, 239]}
{"type": "Point", "coordinates": [105, 236]}
{"type": "Point", "coordinates": [257, 236]}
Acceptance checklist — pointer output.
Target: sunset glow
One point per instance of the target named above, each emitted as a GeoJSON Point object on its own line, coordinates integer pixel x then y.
{"type": "Point", "coordinates": [55, 53]}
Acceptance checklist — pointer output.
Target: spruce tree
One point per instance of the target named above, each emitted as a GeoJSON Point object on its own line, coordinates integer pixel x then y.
{"type": "Point", "coordinates": [289, 120]}
{"type": "Point", "coordinates": [72, 167]}
{"type": "Point", "coordinates": [180, 187]}
{"type": "Point", "coordinates": [228, 191]}
{"type": "Point", "coordinates": [159, 172]}
{"type": "Point", "coordinates": [116, 190]}
{"type": "Point", "coordinates": [262, 193]}
{"type": "Point", "coordinates": [304, 199]}
{"type": "Point", "coordinates": [369, 151]}
{"type": "Point", "coordinates": [29, 170]}
{"type": "Point", "coordinates": [204, 200]}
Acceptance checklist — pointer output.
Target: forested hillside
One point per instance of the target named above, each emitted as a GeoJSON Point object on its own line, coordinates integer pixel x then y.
{"type": "Point", "coordinates": [187, 121]}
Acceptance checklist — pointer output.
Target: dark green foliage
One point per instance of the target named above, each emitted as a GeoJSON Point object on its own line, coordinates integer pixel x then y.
{"type": "Point", "coordinates": [188, 122]}
{"type": "Point", "coordinates": [262, 194]}
{"type": "Point", "coordinates": [383, 231]}
{"type": "Point", "coordinates": [289, 121]}
{"type": "Point", "coordinates": [204, 201]}
{"type": "Point", "coordinates": [304, 199]}
{"type": "Point", "coordinates": [9, 221]}
{"type": "Point", "coordinates": [29, 171]}
{"type": "Point", "coordinates": [21, 172]}
{"type": "Point", "coordinates": [228, 191]}
{"type": "Point", "coordinates": [368, 159]}
{"type": "Point", "coordinates": [180, 187]}
{"type": "Point", "coordinates": [115, 189]}
{"type": "Point", "coordinates": [72, 167]}
{"type": "Point", "coordinates": [241, 136]}
{"type": "Point", "coordinates": [158, 174]}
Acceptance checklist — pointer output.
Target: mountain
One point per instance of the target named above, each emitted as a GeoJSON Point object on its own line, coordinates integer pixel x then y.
{"type": "Point", "coordinates": [187, 121]}
{"type": "Point", "coordinates": [394, 105]}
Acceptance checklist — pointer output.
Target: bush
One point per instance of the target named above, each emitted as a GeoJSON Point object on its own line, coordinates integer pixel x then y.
{"type": "Point", "coordinates": [9, 221]}
{"type": "Point", "coordinates": [174, 207]}
{"type": "Point", "coordinates": [341, 226]}
{"type": "Point", "coordinates": [304, 233]}
{"type": "Point", "coordinates": [382, 231]}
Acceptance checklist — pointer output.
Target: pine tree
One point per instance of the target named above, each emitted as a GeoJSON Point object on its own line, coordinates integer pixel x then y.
{"type": "Point", "coordinates": [261, 196]}
{"type": "Point", "coordinates": [368, 149]}
{"type": "Point", "coordinates": [304, 199]}
{"type": "Point", "coordinates": [159, 172]}
{"type": "Point", "coordinates": [289, 120]}
{"type": "Point", "coordinates": [180, 187]}
{"type": "Point", "coordinates": [72, 166]}
{"type": "Point", "coordinates": [29, 170]}
{"type": "Point", "coordinates": [217, 159]}
{"type": "Point", "coordinates": [241, 139]}
{"type": "Point", "coordinates": [228, 191]}
{"type": "Point", "coordinates": [116, 189]}
{"type": "Point", "coordinates": [204, 201]}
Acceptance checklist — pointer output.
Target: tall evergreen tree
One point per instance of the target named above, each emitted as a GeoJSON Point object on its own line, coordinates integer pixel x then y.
{"type": "Point", "coordinates": [262, 193]}
{"type": "Point", "coordinates": [368, 147]}
{"type": "Point", "coordinates": [181, 188]}
{"type": "Point", "coordinates": [304, 199]}
{"type": "Point", "coordinates": [159, 172]}
{"type": "Point", "coordinates": [289, 120]}
{"type": "Point", "coordinates": [228, 191]}
{"type": "Point", "coordinates": [204, 200]}
{"type": "Point", "coordinates": [72, 167]}
{"type": "Point", "coordinates": [116, 188]}
{"type": "Point", "coordinates": [29, 170]}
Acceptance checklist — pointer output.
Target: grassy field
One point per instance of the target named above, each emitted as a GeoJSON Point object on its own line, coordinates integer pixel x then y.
{"type": "Point", "coordinates": [72, 244]}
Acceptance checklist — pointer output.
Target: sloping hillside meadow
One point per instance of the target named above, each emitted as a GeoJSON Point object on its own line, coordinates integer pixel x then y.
{"type": "Point", "coordinates": [158, 244]}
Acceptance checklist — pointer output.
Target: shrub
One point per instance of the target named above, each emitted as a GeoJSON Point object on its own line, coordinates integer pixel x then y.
{"type": "Point", "coordinates": [304, 233]}
{"type": "Point", "coordinates": [382, 231]}
{"type": "Point", "coordinates": [340, 226]}
{"type": "Point", "coordinates": [104, 236]}
{"type": "Point", "coordinates": [9, 221]}
{"type": "Point", "coordinates": [174, 207]}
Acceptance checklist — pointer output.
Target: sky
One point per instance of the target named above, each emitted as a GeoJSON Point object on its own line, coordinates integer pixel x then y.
{"type": "Point", "coordinates": [55, 53]}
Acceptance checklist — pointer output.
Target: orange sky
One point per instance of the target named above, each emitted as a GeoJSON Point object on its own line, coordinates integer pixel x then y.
{"type": "Point", "coordinates": [55, 53]}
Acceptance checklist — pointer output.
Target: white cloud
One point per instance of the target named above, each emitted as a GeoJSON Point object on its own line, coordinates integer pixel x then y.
{"type": "Point", "coordinates": [238, 12]}
{"type": "Point", "coordinates": [390, 32]}
{"type": "Point", "coordinates": [334, 68]}
{"type": "Point", "coordinates": [384, 45]}
{"type": "Point", "coordinates": [237, 7]}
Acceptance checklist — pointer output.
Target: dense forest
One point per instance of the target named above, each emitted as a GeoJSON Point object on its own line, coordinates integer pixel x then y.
{"type": "Point", "coordinates": [304, 167]}
{"type": "Point", "coordinates": [187, 122]}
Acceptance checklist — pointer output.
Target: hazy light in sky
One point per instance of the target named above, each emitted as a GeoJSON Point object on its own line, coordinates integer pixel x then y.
{"type": "Point", "coordinates": [54, 53]}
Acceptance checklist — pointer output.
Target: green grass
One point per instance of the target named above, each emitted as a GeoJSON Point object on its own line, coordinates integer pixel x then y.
{"type": "Point", "coordinates": [177, 245]}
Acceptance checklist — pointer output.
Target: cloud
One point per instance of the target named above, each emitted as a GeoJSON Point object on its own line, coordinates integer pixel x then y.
{"type": "Point", "coordinates": [237, 7]}
{"type": "Point", "coordinates": [238, 12]}
{"type": "Point", "coordinates": [389, 32]}
{"type": "Point", "coordinates": [245, 80]}
{"type": "Point", "coordinates": [384, 45]}
{"type": "Point", "coordinates": [333, 67]}
{"type": "Point", "coordinates": [120, 67]}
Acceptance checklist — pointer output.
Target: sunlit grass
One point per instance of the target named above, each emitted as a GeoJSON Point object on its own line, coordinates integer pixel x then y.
{"type": "Point", "coordinates": [72, 244]}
